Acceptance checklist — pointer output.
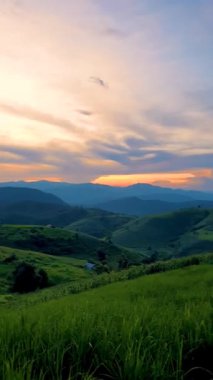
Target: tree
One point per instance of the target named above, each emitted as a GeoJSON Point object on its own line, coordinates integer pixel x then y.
{"type": "Point", "coordinates": [123, 262]}
{"type": "Point", "coordinates": [27, 279]}
{"type": "Point", "coordinates": [42, 279]}
{"type": "Point", "coordinates": [101, 255]}
{"type": "Point", "coordinates": [152, 258]}
{"type": "Point", "coordinates": [102, 268]}
{"type": "Point", "coordinates": [9, 259]}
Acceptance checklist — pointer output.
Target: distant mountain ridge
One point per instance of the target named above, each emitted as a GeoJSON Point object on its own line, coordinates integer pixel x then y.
{"type": "Point", "coordinates": [139, 207]}
{"type": "Point", "coordinates": [11, 195]}
{"type": "Point", "coordinates": [90, 195]}
{"type": "Point", "coordinates": [29, 206]}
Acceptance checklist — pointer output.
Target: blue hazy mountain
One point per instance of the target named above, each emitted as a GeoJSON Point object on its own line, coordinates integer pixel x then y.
{"type": "Point", "coordinates": [92, 195]}
{"type": "Point", "coordinates": [11, 195]}
{"type": "Point", "coordinates": [140, 207]}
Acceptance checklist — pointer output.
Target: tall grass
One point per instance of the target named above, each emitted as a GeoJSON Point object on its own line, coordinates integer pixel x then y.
{"type": "Point", "coordinates": [150, 328]}
{"type": "Point", "coordinates": [105, 279]}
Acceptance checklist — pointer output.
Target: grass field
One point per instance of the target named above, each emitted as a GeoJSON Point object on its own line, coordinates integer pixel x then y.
{"type": "Point", "coordinates": [60, 269]}
{"type": "Point", "coordinates": [155, 327]}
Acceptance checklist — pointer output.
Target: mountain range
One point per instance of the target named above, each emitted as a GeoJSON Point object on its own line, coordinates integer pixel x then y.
{"type": "Point", "coordinates": [26, 205]}
{"type": "Point", "coordinates": [152, 227]}
{"type": "Point", "coordinates": [90, 195]}
{"type": "Point", "coordinates": [30, 206]}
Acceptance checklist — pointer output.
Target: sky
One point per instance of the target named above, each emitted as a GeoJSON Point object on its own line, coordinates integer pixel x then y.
{"type": "Point", "coordinates": [107, 91]}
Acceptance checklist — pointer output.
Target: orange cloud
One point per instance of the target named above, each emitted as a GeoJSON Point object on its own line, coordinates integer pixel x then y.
{"type": "Point", "coordinates": [173, 179]}
{"type": "Point", "coordinates": [28, 172]}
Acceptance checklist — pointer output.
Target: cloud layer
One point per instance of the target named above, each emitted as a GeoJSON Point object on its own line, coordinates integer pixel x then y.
{"type": "Point", "coordinates": [94, 89]}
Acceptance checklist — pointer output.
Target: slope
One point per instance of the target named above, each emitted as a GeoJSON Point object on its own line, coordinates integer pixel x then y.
{"type": "Point", "coordinates": [60, 242]}
{"type": "Point", "coordinates": [99, 223]}
{"type": "Point", "coordinates": [32, 212]}
{"type": "Point", "coordinates": [117, 331]}
{"type": "Point", "coordinates": [174, 234]}
{"type": "Point", "coordinates": [32, 207]}
{"type": "Point", "coordinates": [59, 269]}
{"type": "Point", "coordinates": [11, 195]}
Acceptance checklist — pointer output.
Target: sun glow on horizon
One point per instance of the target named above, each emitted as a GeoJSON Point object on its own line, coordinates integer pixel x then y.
{"type": "Point", "coordinates": [179, 179]}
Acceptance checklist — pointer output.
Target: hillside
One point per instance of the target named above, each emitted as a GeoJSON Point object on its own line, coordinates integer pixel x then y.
{"type": "Point", "coordinates": [175, 234]}
{"type": "Point", "coordinates": [99, 224]}
{"type": "Point", "coordinates": [12, 195]}
{"type": "Point", "coordinates": [59, 269]}
{"type": "Point", "coordinates": [33, 207]}
{"type": "Point", "coordinates": [41, 213]}
{"type": "Point", "coordinates": [60, 242]}
{"type": "Point", "coordinates": [117, 331]}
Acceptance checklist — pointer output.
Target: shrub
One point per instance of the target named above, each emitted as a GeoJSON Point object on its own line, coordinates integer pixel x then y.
{"type": "Point", "coordinates": [10, 259]}
{"type": "Point", "coordinates": [27, 279]}
{"type": "Point", "coordinates": [102, 268]}
{"type": "Point", "coordinates": [101, 255]}
{"type": "Point", "coordinates": [123, 262]}
{"type": "Point", "coordinates": [42, 279]}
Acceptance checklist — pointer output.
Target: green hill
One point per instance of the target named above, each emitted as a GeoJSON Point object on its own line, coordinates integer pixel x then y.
{"type": "Point", "coordinates": [155, 327]}
{"type": "Point", "coordinates": [99, 223]}
{"type": "Point", "coordinates": [41, 213]}
{"type": "Point", "coordinates": [59, 269]}
{"type": "Point", "coordinates": [174, 234]}
{"type": "Point", "coordinates": [60, 242]}
{"type": "Point", "coordinates": [36, 210]}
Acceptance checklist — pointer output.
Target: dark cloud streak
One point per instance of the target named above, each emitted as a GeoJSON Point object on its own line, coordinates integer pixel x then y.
{"type": "Point", "coordinates": [85, 112]}
{"type": "Point", "coordinates": [115, 33]}
{"type": "Point", "coordinates": [100, 82]}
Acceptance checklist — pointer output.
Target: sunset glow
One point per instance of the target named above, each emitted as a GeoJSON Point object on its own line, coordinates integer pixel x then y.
{"type": "Point", "coordinates": [164, 179]}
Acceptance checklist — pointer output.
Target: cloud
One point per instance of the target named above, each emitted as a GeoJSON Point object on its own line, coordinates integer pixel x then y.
{"type": "Point", "coordinates": [85, 112]}
{"type": "Point", "coordinates": [170, 179]}
{"type": "Point", "coordinates": [158, 116]}
{"type": "Point", "coordinates": [20, 154]}
{"type": "Point", "coordinates": [201, 99]}
{"type": "Point", "coordinates": [166, 118]}
{"type": "Point", "coordinates": [114, 32]}
{"type": "Point", "coordinates": [36, 115]}
{"type": "Point", "coordinates": [99, 82]}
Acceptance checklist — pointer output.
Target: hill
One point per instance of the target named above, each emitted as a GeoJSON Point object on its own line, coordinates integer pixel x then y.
{"type": "Point", "coordinates": [60, 242]}
{"type": "Point", "coordinates": [117, 331]}
{"type": "Point", "coordinates": [12, 195]}
{"type": "Point", "coordinates": [140, 207]}
{"type": "Point", "coordinates": [99, 223]}
{"type": "Point", "coordinates": [59, 269]}
{"type": "Point", "coordinates": [175, 234]}
{"type": "Point", "coordinates": [34, 207]}
{"type": "Point", "coordinates": [90, 195]}
{"type": "Point", "coordinates": [41, 213]}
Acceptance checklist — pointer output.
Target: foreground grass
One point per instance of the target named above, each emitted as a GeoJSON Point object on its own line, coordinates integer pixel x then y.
{"type": "Point", "coordinates": [156, 327]}
{"type": "Point", "coordinates": [79, 284]}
